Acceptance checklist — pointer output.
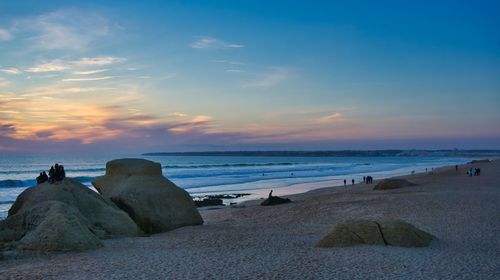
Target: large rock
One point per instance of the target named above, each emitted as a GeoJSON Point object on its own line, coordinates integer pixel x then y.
{"type": "Point", "coordinates": [390, 232]}
{"type": "Point", "coordinates": [63, 216]}
{"type": "Point", "coordinates": [275, 200]}
{"type": "Point", "coordinates": [388, 184]}
{"type": "Point", "coordinates": [138, 187]}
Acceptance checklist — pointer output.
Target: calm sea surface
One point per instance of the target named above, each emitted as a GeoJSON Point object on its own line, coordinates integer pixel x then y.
{"type": "Point", "coordinates": [220, 174]}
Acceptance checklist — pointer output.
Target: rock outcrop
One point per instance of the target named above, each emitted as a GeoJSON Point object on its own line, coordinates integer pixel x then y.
{"type": "Point", "coordinates": [63, 216]}
{"type": "Point", "coordinates": [390, 232]}
{"type": "Point", "coordinates": [389, 184]}
{"type": "Point", "coordinates": [209, 202]}
{"type": "Point", "coordinates": [275, 200]}
{"type": "Point", "coordinates": [138, 187]}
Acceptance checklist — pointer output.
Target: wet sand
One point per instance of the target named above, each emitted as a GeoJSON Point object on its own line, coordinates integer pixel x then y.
{"type": "Point", "coordinates": [278, 242]}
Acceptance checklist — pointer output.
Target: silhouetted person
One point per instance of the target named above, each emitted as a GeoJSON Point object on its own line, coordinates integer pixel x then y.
{"type": "Point", "coordinates": [352, 181]}
{"type": "Point", "coordinates": [456, 167]}
{"type": "Point", "coordinates": [41, 178]}
{"type": "Point", "coordinates": [52, 174]}
{"type": "Point", "coordinates": [477, 171]}
{"type": "Point", "coordinates": [45, 178]}
{"type": "Point", "coordinates": [57, 173]}
{"type": "Point", "coordinates": [369, 179]}
{"type": "Point", "coordinates": [364, 179]}
{"type": "Point", "coordinates": [270, 194]}
{"type": "Point", "coordinates": [345, 182]}
{"type": "Point", "coordinates": [63, 173]}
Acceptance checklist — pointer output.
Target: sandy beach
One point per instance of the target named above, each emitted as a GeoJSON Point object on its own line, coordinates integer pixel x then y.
{"type": "Point", "coordinates": [278, 242]}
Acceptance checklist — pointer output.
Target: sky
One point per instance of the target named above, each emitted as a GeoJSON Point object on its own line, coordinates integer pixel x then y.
{"type": "Point", "coordinates": [143, 76]}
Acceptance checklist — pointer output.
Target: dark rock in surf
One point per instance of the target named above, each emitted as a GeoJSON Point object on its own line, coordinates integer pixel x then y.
{"type": "Point", "coordinates": [275, 200]}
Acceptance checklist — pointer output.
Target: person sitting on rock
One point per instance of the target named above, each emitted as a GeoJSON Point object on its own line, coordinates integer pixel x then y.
{"type": "Point", "coordinates": [60, 173]}
{"type": "Point", "coordinates": [270, 194]}
{"type": "Point", "coordinates": [57, 172]}
{"type": "Point", "coordinates": [45, 178]}
{"type": "Point", "coordinates": [52, 173]}
{"type": "Point", "coordinates": [63, 173]}
{"type": "Point", "coordinates": [39, 178]}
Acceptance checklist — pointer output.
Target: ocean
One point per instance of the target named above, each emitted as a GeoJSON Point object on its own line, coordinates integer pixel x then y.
{"type": "Point", "coordinates": [203, 175]}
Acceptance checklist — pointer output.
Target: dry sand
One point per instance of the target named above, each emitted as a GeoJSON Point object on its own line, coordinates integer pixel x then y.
{"type": "Point", "coordinates": [278, 242]}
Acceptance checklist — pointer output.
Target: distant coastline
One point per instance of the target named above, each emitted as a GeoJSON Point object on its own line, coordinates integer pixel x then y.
{"type": "Point", "coordinates": [341, 153]}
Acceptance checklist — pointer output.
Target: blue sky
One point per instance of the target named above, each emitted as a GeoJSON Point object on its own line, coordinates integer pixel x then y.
{"type": "Point", "coordinates": [225, 75]}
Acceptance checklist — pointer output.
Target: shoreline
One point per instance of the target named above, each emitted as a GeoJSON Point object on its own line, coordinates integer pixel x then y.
{"type": "Point", "coordinates": [286, 185]}
{"type": "Point", "coordinates": [279, 242]}
{"type": "Point", "coordinates": [301, 188]}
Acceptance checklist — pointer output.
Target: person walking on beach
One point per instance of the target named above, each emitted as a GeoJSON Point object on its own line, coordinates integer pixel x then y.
{"type": "Point", "coordinates": [352, 181]}
{"type": "Point", "coordinates": [456, 167]}
{"type": "Point", "coordinates": [345, 182]}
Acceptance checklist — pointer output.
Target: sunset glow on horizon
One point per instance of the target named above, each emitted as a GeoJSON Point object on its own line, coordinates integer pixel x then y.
{"type": "Point", "coordinates": [195, 76]}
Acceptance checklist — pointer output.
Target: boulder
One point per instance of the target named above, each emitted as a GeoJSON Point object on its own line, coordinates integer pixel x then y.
{"type": "Point", "coordinates": [403, 234]}
{"type": "Point", "coordinates": [388, 184]}
{"type": "Point", "coordinates": [138, 187]}
{"type": "Point", "coordinates": [274, 200]}
{"type": "Point", "coordinates": [389, 232]}
{"type": "Point", "coordinates": [209, 202]}
{"type": "Point", "coordinates": [63, 216]}
{"type": "Point", "coordinates": [353, 232]}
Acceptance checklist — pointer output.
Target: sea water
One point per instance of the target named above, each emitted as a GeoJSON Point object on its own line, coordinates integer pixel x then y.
{"type": "Point", "coordinates": [201, 175]}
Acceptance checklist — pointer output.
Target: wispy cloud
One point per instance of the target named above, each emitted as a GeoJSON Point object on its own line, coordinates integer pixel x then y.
{"type": "Point", "coordinates": [55, 65]}
{"type": "Point", "coordinates": [234, 71]}
{"type": "Point", "coordinates": [90, 72]}
{"type": "Point", "coordinates": [5, 35]}
{"type": "Point", "coordinates": [99, 61]}
{"type": "Point", "coordinates": [234, 46]}
{"type": "Point", "coordinates": [88, 79]}
{"type": "Point", "coordinates": [232, 62]}
{"type": "Point", "coordinates": [274, 76]}
{"type": "Point", "coordinates": [205, 42]}
{"type": "Point", "coordinates": [331, 117]}
{"type": "Point", "coordinates": [178, 114]}
{"type": "Point", "coordinates": [10, 70]}
{"type": "Point", "coordinates": [67, 29]}
{"type": "Point", "coordinates": [78, 67]}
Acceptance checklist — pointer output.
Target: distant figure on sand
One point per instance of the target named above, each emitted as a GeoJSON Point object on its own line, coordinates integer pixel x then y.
{"type": "Point", "coordinates": [456, 167]}
{"type": "Point", "coordinates": [345, 182]}
{"type": "Point", "coordinates": [364, 179]}
{"type": "Point", "coordinates": [477, 171]}
{"type": "Point", "coordinates": [352, 181]}
{"type": "Point", "coordinates": [369, 179]}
